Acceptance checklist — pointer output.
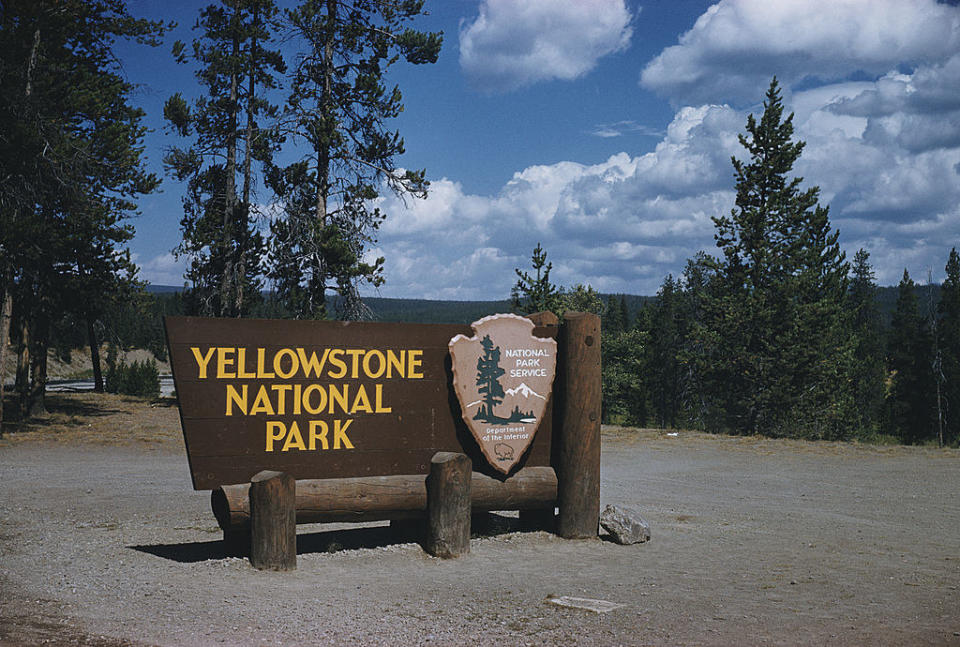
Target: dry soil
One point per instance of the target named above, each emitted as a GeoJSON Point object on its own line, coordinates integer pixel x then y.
{"type": "Point", "coordinates": [103, 542]}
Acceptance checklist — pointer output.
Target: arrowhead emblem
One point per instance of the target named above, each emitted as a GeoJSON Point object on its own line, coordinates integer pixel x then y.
{"type": "Point", "coordinates": [503, 376]}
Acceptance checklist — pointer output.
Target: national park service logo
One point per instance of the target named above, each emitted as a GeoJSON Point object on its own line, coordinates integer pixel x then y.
{"type": "Point", "coordinates": [503, 376]}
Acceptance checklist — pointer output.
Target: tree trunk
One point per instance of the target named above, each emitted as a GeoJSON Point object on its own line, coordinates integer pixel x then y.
{"type": "Point", "coordinates": [6, 311]}
{"type": "Point", "coordinates": [23, 363]}
{"type": "Point", "coordinates": [38, 368]}
{"type": "Point", "coordinates": [95, 356]}
{"type": "Point", "coordinates": [230, 190]}
{"type": "Point", "coordinates": [241, 268]}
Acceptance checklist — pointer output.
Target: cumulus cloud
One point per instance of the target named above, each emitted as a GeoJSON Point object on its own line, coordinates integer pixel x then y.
{"type": "Point", "coordinates": [163, 269]}
{"type": "Point", "coordinates": [737, 45]}
{"type": "Point", "coordinates": [619, 225]}
{"type": "Point", "coordinates": [513, 43]}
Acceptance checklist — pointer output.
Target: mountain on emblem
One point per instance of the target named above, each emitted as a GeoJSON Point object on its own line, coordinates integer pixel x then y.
{"type": "Point", "coordinates": [502, 377]}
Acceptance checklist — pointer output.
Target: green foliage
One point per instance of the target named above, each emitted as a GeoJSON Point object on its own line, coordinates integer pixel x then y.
{"type": "Point", "coordinates": [536, 293]}
{"type": "Point", "coordinates": [581, 299]}
{"type": "Point", "coordinates": [867, 369]}
{"type": "Point", "coordinates": [337, 108]}
{"type": "Point", "coordinates": [139, 378]}
{"type": "Point", "coordinates": [948, 331]}
{"type": "Point", "coordinates": [227, 136]}
{"type": "Point", "coordinates": [625, 393]}
{"type": "Point", "coordinates": [910, 404]}
{"type": "Point", "coordinates": [774, 328]}
{"type": "Point", "coordinates": [71, 148]}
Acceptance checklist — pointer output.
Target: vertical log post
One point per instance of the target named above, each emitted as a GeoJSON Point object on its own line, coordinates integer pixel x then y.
{"type": "Point", "coordinates": [544, 518]}
{"type": "Point", "coordinates": [273, 521]}
{"type": "Point", "coordinates": [448, 505]}
{"type": "Point", "coordinates": [578, 468]}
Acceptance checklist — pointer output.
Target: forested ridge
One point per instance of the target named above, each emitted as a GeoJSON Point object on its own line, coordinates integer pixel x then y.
{"type": "Point", "coordinates": [775, 333]}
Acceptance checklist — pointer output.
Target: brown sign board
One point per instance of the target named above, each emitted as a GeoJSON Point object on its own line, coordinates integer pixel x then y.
{"type": "Point", "coordinates": [321, 399]}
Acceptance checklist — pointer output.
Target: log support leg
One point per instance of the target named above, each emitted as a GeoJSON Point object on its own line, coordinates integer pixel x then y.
{"type": "Point", "coordinates": [273, 521]}
{"type": "Point", "coordinates": [449, 505]}
{"type": "Point", "coordinates": [578, 467]}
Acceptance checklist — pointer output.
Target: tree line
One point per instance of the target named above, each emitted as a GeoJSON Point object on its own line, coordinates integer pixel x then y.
{"type": "Point", "coordinates": [778, 334]}
{"type": "Point", "coordinates": [72, 163]}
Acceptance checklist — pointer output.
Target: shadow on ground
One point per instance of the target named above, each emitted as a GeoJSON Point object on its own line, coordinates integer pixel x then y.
{"type": "Point", "coordinates": [333, 541]}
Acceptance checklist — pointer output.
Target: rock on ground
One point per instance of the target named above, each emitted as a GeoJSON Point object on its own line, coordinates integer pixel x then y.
{"type": "Point", "coordinates": [625, 525]}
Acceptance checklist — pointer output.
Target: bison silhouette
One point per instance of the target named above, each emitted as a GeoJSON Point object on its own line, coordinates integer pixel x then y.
{"type": "Point", "coordinates": [503, 451]}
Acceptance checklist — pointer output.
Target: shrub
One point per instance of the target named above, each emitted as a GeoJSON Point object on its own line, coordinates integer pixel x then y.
{"type": "Point", "coordinates": [138, 378]}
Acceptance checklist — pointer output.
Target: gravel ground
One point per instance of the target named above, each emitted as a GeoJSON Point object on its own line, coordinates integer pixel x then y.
{"type": "Point", "coordinates": [754, 542]}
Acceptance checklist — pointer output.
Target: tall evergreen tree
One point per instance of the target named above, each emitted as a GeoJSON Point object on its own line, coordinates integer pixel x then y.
{"type": "Point", "coordinates": [338, 108]}
{"type": "Point", "coordinates": [666, 340]}
{"type": "Point", "coordinates": [910, 400]}
{"type": "Point", "coordinates": [535, 292]}
{"type": "Point", "coordinates": [220, 234]}
{"type": "Point", "coordinates": [70, 164]}
{"type": "Point", "coordinates": [868, 370]}
{"type": "Point", "coordinates": [948, 331]}
{"type": "Point", "coordinates": [774, 319]}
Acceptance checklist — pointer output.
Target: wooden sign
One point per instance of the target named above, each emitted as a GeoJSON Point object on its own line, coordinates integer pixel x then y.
{"type": "Point", "coordinates": [321, 399]}
{"type": "Point", "coordinates": [503, 377]}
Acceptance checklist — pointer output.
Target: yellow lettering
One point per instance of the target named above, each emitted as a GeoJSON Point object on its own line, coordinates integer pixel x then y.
{"type": "Point", "coordinates": [340, 433]}
{"type": "Point", "coordinates": [335, 356]}
{"type": "Point", "coordinates": [395, 362]}
{"type": "Point", "coordinates": [262, 372]}
{"type": "Point", "coordinates": [297, 388]}
{"type": "Point", "coordinates": [202, 361]}
{"type": "Point", "coordinates": [355, 354]}
{"type": "Point", "coordinates": [322, 436]}
{"type": "Point", "coordinates": [275, 431]}
{"type": "Point", "coordinates": [378, 399]}
{"type": "Point", "coordinates": [242, 372]}
{"type": "Point", "coordinates": [278, 366]}
{"type": "Point", "coordinates": [311, 364]}
{"type": "Point", "coordinates": [294, 439]}
{"type": "Point", "coordinates": [361, 402]}
{"type": "Point", "coordinates": [239, 399]}
{"type": "Point", "coordinates": [281, 390]}
{"type": "Point", "coordinates": [415, 358]}
{"type": "Point", "coordinates": [261, 403]}
{"type": "Point", "coordinates": [339, 397]}
{"type": "Point", "coordinates": [381, 364]}
{"type": "Point", "coordinates": [306, 399]}
{"type": "Point", "coordinates": [224, 360]}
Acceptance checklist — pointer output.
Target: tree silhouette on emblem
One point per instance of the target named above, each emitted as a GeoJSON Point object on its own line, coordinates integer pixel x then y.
{"type": "Point", "coordinates": [488, 379]}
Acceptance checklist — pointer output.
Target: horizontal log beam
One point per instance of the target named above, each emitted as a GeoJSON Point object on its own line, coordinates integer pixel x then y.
{"type": "Point", "coordinates": [376, 498]}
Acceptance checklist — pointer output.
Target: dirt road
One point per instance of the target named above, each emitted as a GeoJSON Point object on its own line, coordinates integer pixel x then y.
{"type": "Point", "coordinates": [103, 542]}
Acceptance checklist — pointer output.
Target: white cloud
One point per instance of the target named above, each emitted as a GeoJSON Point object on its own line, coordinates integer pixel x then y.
{"type": "Point", "coordinates": [163, 269]}
{"type": "Point", "coordinates": [737, 45]}
{"type": "Point", "coordinates": [513, 43]}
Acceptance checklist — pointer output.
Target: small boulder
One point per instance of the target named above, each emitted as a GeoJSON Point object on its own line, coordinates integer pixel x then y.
{"type": "Point", "coordinates": [625, 525]}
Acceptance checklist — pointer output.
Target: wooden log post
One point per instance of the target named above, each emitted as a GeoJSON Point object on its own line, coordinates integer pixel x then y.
{"type": "Point", "coordinates": [448, 505]}
{"type": "Point", "coordinates": [540, 518]}
{"type": "Point", "coordinates": [273, 521]}
{"type": "Point", "coordinates": [578, 464]}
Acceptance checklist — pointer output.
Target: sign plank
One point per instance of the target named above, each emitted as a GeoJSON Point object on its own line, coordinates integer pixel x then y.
{"type": "Point", "coordinates": [320, 399]}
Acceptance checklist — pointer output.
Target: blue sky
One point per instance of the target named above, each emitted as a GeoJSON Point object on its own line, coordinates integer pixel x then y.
{"type": "Point", "coordinates": [604, 129]}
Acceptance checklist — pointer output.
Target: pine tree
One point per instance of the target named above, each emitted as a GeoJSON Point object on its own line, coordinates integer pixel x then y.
{"type": "Point", "coordinates": [337, 108]}
{"type": "Point", "coordinates": [948, 331]}
{"type": "Point", "coordinates": [489, 373]}
{"type": "Point", "coordinates": [535, 293]}
{"type": "Point", "coordinates": [775, 313]}
{"type": "Point", "coordinates": [868, 370]}
{"type": "Point", "coordinates": [910, 399]}
{"type": "Point", "coordinates": [666, 340]}
{"type": "Point", "coordinates": [220, 235]}
{"type": "Point", "coordinates": [71, 162]}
